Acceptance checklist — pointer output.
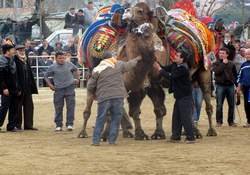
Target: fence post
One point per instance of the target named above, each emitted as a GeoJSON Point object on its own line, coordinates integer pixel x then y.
{"type": "Point", "coordinates": [37, 73]}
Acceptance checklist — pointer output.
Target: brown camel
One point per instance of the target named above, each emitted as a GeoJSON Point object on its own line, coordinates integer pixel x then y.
{"type": "Point", "coordinates": [143, 42]}
{"type": "Point", "coordinates": [135, 16]}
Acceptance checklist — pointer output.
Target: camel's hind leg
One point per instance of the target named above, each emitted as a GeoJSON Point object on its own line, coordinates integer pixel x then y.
{"type": "Point", "coordinates": [204, 80]}
{"type": "Point", "coordinates": [135, 100]}
{"type": "Point", "coordinates": [86, 115]}
{"type": "Point", "coordinates": [157, 95]}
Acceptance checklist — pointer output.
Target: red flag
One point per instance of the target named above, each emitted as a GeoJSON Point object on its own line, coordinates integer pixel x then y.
{"type": "Point", "coordinates": [186, 5]}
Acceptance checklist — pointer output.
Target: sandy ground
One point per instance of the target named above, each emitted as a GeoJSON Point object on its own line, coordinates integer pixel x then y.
{"type": "Point", "coordinates": [46, 152]}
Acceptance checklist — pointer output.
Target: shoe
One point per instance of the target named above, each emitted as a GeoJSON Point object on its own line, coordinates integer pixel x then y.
{"type": "Point", "coordinates": [95, 144]}
{"type": "Point", "coordinates": [247, 125]}
{"type": "Point", "coordinates": [31, 129]}
{"type": "Point", "coordinates": [58, 129]}
{"type": "Point", "coordinates": [14, 130]}
{"type": "Point", "coordinates": [232, 124]}
{"type": "Point", "coordinates": [113, 144]}
{"type": "Point", "coordinates": [174, 140]}
{"type": "Point", "coordinates": [190, 141]}
{"type": "Point", "coordinates": [219, 124]}
{"type": "Point", "coordinates": [70, 128]}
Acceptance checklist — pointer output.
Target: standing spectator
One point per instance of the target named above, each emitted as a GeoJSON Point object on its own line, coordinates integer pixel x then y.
{"type": "Point", "coordinates": [89, 13]}
{"type": "Point", "coordinates": [197, 99]}
{"type": "Point", "coordinates": [45, 47]}
{"type": "Point", "coordinates": [229, 44]}
{"type": "Point", "coordinates": [108, 86]}
{"type": "Point", "coordinates": [225, 79]}
{"type": "Point", "coordinates": [80, 20]}
{"type": "Point", "coordinates": [181, 86]}
{"type": "Point", "coordinates": [28, 47]}
{"type": "Point", "coordinates": [28, 87]}
{"type": "Point", "coordinates": [8, 88]}
{"type": "Point", "coordinates": [65, 76]}
{"type": "Point", "coordinates": [70, 47]}
{"type": "Point", "coordinates": [244, 85]}
{"type": "Point", "coordinates": [70, 19]}
{"type": "Point", "coordinates": [58, 47]}
{"type": "Point", "coordinates": [239, 59]}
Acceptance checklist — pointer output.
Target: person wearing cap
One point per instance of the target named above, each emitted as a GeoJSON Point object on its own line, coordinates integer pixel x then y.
{"type": "Point", "coordinates": [70, 18]}
{"type": "Point", "coordinates": [65, 76]}
{"type": "Point", "coordinates": [45, 48]}
{"type": "Point", "coordinates": [28, 87]}
{"type": "Point", "coordinates": [107, 84]}
{"type": "Point", "coordinates": [8, 88]}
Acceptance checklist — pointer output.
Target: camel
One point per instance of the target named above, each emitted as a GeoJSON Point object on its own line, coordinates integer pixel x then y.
{"type": "Point", "coordinates": [139, 14]}
{"type": "Point", "coordinates": [144, 45]}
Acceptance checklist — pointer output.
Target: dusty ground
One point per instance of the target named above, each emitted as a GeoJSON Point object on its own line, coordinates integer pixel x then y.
{"type": "Point", "coordinates": [46, 152]}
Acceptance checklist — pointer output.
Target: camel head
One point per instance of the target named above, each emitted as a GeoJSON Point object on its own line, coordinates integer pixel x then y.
{"type": "Point", "coordinates": [138, 14]}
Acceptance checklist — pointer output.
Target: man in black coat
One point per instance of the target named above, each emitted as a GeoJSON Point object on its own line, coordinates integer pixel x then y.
{"type": "Point", "coordinates": [28, 87]}
{"type": "Point", "coordinates": [45, 48]}
{"type": "Point", "coordinates": [8, 87]}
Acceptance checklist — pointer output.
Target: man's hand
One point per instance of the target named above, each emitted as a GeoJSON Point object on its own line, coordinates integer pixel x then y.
{"type": "Point", "coordinates": [19, 93]}
{"type": "Point", "coordinates": [6, 92]}
{"type": "Point", "coordinates": [157, 66]}
{"type": "Point", "coordinates": [238, 89]}
{"type": "Point", "coordinates": [52, 87]}
{"type": "Point", "coordinates": [76, 81]}
{"type": "Point", "coordinates": [225, 61]}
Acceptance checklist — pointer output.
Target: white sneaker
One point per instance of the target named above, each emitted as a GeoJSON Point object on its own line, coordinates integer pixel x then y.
{"type": "Point", "coordinates": [70, 128]}
{"type": "Point", "coordinates": [58, 129]}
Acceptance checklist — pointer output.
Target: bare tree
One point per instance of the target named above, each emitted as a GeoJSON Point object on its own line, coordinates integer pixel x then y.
{"type": "Point", "coordinates": [210, 7]}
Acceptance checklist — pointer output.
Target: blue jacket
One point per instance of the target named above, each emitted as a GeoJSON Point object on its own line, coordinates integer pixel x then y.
{"type": "Point", "coordinates": [244, 74]}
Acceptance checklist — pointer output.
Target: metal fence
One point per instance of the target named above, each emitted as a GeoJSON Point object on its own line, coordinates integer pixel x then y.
{"type": "Point", "coordinates": [39, 70]}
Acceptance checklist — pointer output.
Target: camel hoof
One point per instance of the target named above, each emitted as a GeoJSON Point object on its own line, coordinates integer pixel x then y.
{"type": "Point", "coordinates": [158, 134]}
{"type": "Point", "coordinates": [127, 134]}
{"type": "Point", "coordinates": [211, 132]}
{"type": "Point", "coordinates": [197, 133]}
{"type": "Point", "coordinates": [83, 134]}
{"type": "Point", "coordinates": [140, 135]}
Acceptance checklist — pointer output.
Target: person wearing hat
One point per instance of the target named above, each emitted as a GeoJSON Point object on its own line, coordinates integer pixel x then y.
{"type": "Point", "coordinates": [8, 87]}
{"type": "Point", "coordinates": [28, 87]}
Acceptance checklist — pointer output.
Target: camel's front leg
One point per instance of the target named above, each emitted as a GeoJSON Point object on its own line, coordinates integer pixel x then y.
{"type": "Point", "coordinates": [86, 115]}
{"type": "Point", "coordinates": [135, 100]}
{"type": "Point", "coordinates": [157, 95]}
{"type": "Point", "coordinates": [205, 84]}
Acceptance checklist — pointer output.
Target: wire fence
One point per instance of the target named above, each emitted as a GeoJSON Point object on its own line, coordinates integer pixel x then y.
{"type": "Point", "coordinates": [39, 66]}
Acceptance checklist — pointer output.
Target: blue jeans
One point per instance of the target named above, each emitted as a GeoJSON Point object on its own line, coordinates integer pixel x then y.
{"type": "Point", "coordinates": [223, 92]}
{"type": "Point", "coordinates": [197, 98]}
{"type": "Point", "coordinates": [115, 106]}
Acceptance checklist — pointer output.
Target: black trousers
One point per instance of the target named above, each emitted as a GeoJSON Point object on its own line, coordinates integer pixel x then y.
{"type": "Point", "coordinates": [182, 116]}
{"type": "Point", "coordinates": [25, 111]}
{"type": "Point", "coordinates": [8, 103]}
{"type": "Point", "coordinates": [246, 103]}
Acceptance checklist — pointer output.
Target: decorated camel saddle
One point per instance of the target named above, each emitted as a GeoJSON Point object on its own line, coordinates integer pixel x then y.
{"type": "Point", "coordinates": [185, 32]}
{"type": "Point", "coordinates": [102, 35]}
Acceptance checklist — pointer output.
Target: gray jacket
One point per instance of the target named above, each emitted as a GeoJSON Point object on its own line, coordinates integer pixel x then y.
{"type": "Point", "coordinates": [109, 83]}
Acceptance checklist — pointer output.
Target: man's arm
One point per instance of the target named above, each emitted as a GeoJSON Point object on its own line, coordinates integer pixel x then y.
{"type": "Point", "coordinates": [127, 66]}
{"type": "Point", "coordinates": [49, 73]}
{"type": "Point", "coordinates": [92, 83]}
{"type": "Point", "coordinates": [76, 73]}
{"type": "Point", "coordinates": [235, 74]}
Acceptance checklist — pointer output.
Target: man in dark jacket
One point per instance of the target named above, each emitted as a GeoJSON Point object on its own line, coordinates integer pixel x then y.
{"type": "Point", "coordinates": [225, 80]}
{"type": "Point", "coordinates": [28, 87]}
{"type": "Point", "coordinates": [8, 87]}
{"type": "Point", "coordinates": [181, 86]}
{"type": "Point", "coordinates": [45, 48]}
{"type": "Point", "coordinates": [70, 19]}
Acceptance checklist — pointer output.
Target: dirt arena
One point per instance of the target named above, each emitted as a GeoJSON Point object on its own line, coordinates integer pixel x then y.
{"type": "Point", "coordinates": [48, 153]}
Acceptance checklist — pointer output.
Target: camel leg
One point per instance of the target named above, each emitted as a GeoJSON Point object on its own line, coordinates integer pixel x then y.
{"type": "Point", "coordinates": [205, 84]}
{"type": "Point", "coordinates": [135, 100]}
{"type": "Point", "coordinates": [86, 115]}
{"type": "Point", "coordinates": [157, 95]}
{"type": "Point", "coordinates": [126, 125]}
